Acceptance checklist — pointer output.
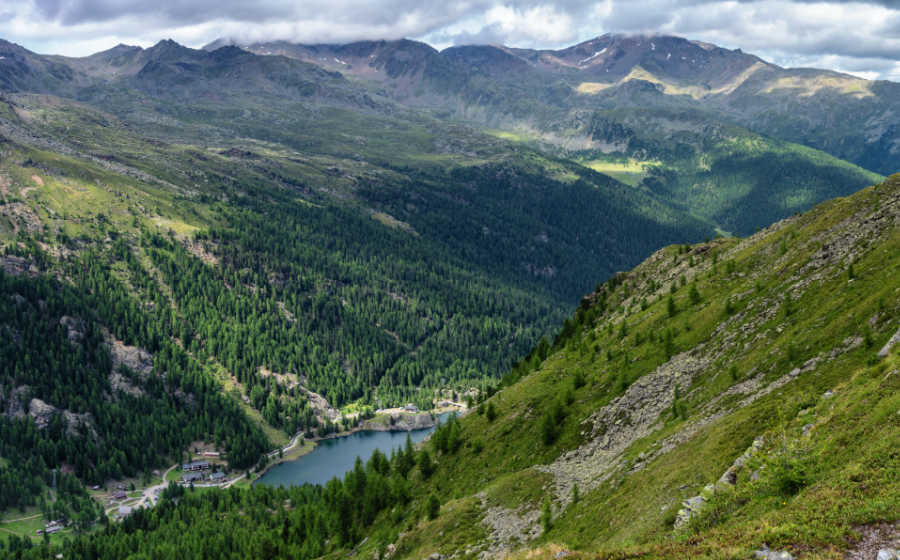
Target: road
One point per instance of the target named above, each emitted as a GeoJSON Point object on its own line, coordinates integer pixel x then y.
{"type": "Point", "coordinates": [271, 454]}
{"type": "Point", "coordinates": [148, 496]}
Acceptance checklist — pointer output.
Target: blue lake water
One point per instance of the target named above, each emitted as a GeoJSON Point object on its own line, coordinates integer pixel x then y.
{"type": "Point", "coordinates": [334, 457]}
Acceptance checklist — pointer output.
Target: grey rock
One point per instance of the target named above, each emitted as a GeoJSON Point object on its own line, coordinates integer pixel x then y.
{"type": "Point", "coordinates": [886, 349]}
{"type": "Point", "coordinates": [689, 509]}
{"type": "Point", "coordinates": [40, 412]}
{"type": "Point", "coordinates": [888, 554]}
{"type": "Point", "coordinates": [807, 428]}
{"type": "Point", "coordinates": [766, 554]}
{"type": "Point", "coordinates": [136, 359]}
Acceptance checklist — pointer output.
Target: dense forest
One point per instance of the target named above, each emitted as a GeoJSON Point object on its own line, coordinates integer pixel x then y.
{"type": "Point", "coordinates": [68, 405]}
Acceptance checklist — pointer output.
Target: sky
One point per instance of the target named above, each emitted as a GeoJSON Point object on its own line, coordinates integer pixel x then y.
{"type": "Point", "coordinates": [861, 38]}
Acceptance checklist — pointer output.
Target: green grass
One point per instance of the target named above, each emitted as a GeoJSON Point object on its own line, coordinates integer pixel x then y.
{"type": "Point", "coordinates": [630, 171]}
{"type": "Point", "coordinates": [851, 473]}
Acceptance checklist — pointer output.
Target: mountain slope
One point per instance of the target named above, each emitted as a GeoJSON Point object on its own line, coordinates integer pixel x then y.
{"type": "Point", "coordinates": [669, 373]}
{"type": "Point", "coordinates": [755, 380]}
{"type": "Point", "coordinates": [524, 89]}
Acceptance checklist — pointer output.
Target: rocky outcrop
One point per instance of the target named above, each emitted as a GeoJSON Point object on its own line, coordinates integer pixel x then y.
{"type": "Point", "coordinates": [508, 527]}
{"type": "Point", "coordinates": [693, 506]}
{"type": "Point", "coordinates": [42, 413]}
{"type": "Point", "coordinates": [17, 265]}
{"type": "Point", "coordinates": [632, 416]}
{"type": "Point", "coordinates": [320, 405]}
{"type": "Point", "coordinates": [886, 349]}
{"type": "Point", "coordinates": [136, 359]}
{"type": "Point", "coordinates": [402, 422]}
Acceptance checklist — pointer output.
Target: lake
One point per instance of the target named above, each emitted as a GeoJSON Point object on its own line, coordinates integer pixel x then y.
{"type": "Point", "coordinates": [334, 457]}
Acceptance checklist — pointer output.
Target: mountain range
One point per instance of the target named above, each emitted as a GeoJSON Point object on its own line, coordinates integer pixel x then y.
{"type": "Point", "coordinates": [234, 246]}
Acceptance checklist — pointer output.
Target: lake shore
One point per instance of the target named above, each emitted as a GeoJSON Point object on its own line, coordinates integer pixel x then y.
{"type": "Point", "coordinates": [403, 422]}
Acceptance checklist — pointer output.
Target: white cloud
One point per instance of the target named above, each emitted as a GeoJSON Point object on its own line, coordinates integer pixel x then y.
{"type": "Point", "coordinates": [861, 37]}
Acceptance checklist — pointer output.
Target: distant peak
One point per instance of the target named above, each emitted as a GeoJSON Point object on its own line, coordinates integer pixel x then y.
{"type": "Point", "coordinates": [221, 42]}
{"type": "Point", "coordinates": [166, 43]}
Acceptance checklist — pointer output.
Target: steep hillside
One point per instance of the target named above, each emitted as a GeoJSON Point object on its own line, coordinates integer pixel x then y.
{"type": "Point", "coordinates": [721, 400]}
{"type": "Point", "coordinates": [718, 399]}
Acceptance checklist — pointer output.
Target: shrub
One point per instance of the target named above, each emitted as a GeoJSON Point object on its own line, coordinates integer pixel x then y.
{"type": "Point", "coordinates": [546, 515]}
{"type": "Point", "coordinates": [433, 507]}
{"type": "Point", "coordinates": [551, 423]}
{"type": "Point", "coordinates": [671, 308]}
{"type": "Point", "coordinates": [491, 412]}
{"type": "Point", "coordinates": [790, 473]}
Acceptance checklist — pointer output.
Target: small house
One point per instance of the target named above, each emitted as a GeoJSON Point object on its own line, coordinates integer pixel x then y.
{"type": "Point", "coordinates": [125, 511]}
{"type": "Point", "coordinates": [217, 476]}
{"type": "Point", "coordinates": [119, 495]}
{"type": "Point", "coordinates": [196, 466]}
{"type": "Point", "coordinates": [410, 407]}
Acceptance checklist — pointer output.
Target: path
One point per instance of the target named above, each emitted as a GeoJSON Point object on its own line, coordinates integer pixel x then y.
{"type": "Point", "coordinates": [21, 518]}
{"type": "Point", "coordinates": [294, 441]}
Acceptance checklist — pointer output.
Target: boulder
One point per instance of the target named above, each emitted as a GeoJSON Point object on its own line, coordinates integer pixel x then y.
{"type": "Point", "coordinates": [888, 554]}
{"type": "Point", "coordinates": [689, 508]}
{"type": "Point", "coordinates": [766, 554]}
{"type": "Point", "coordinates": [886, 349]}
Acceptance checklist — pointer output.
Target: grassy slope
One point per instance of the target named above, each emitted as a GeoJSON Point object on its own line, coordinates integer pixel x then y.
{"type": "Point", "coordinates": [848, 464]}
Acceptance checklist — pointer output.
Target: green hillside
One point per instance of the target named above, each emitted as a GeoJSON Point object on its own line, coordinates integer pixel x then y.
{"type": "Point", "coordinates": [754, 373]}
{"type": "Point", "coordinates": [251, 271]}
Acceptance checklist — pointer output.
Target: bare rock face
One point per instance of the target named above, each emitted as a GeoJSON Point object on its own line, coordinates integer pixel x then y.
{"type": "Point", "coordinates": [41, 412]}
{"type": "Point", "coordinates": [136, 359]}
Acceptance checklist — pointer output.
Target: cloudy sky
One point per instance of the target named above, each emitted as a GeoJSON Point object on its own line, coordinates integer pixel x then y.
{"type": "Point", "coordinates": [862, 38]}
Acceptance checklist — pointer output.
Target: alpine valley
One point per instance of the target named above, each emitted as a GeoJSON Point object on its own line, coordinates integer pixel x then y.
{"type": "Point", "coordinates": [210, 254]}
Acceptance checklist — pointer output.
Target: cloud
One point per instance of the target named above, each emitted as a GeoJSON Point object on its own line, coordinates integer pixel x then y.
{"type": "Point", "coordinates": [858, 36]}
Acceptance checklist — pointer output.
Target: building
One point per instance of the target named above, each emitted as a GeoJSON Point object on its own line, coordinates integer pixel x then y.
{"type": "Point", "coordinates": [210, 453]}
{"type": "Point", "coordinates": [192, 477]}
{"type": "Point", "coordinates": [119, 495]}
{"type": "Point", "coordinates": [125, 511]}
{"type": "Point", "coordinates": [196, 466]}
{"type": "Point", "coordinates": [410, 407]}
{"type": "Point", "coordinates": [217, 476]}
